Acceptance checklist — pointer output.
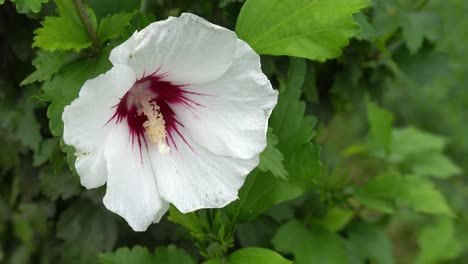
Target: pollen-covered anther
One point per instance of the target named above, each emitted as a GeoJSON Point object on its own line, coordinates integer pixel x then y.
{"type": "Point", "coordinates": [155, 126]}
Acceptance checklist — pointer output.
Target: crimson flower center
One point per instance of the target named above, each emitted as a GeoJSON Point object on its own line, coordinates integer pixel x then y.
{"type": "Point", "coordinates": [147, 109]}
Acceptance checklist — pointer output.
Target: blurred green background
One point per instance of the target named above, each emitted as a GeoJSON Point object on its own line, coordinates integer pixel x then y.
{"type": "Point", "coordinates": [392, 123]}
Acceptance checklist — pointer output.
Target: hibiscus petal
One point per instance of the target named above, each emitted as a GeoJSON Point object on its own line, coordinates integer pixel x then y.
{"type": "Point", "coordinates": [187, 49]}
{"type": "Point", "coordinates": [131, 186]}
{"type": "Point", "coordinates": [231, 114]}
{"type": "Point", "coordinates": [85, 121]}
{"type": "Point", "coordinates": [191, 177]}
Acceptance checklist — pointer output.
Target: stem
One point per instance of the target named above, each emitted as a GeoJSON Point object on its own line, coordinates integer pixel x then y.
{"type": "Point", "coordinates": [420, 5]}
{"type": "Point", "coordinates": [87, 22]}
{"type": "Point", "coordinates": [143, 6]}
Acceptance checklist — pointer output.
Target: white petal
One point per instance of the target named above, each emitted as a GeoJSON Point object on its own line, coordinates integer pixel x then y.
{"type": "Point", "coordinates": [188, 49]}
{"type": "Point", "coordinates": [191, 177]}
{"type": "Point", "coordinates": [131, 185]}
{"type": "Point", "coordinates": [85, 118]}
{"type": "Point", "coordinates": [233, 118]}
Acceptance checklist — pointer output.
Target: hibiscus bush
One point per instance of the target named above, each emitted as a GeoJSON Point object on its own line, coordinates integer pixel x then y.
{"type": "Point", "coordinates": [233, 131]}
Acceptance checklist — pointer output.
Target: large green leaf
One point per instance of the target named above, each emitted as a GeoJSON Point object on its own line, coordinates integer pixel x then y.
{"type": "Point", "coordinates": [65, 85]}
{"type": "Point", "coordinates": [310, 246]}
{"type": "Point", "coordinates": [66, 31]}
{"type": "Point", "coordinates": [313, 29]}
{"type": "Point", "coordinates": [47, 64]}
{"type": "Point", "coordinates": [252, 255]}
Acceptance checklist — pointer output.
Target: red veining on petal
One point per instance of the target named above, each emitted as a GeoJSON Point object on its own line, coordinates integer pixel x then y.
{"type": "Point", "coordinates": [164, 94]}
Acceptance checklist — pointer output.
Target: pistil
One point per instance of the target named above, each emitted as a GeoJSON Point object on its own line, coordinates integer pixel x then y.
{"type": "Point", "coordinates": [155, 126]}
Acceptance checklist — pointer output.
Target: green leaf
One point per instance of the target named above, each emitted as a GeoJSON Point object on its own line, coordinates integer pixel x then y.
{"type": "Point", "coordinates": [252, 255]}
{"type": "Point", "coordinates": [271, 158]}
{"type": "Point", "coordinates": [66, 31]}
{"type": "Point", "coordinates": [383, 192]}
{"type": "Point", "coordinates": [380, 191]}
{"type": "Point", "coordinates": [301, 158]}
{"type": "Point", "coordinates": [368, 31]}
{"type": "Point", "coordinates": [172, 255]}
{"type": "Point", "coordinates": [47, 64]}
{"type": "Point", "coordinates": [433, 164]}
{"type": "Point", "coordinates": [310, 246]}
{"type": "Point", "coordinates": [87, 230]}
{"type": "Point", "coordinates": [105, 7]}
{"type": "Point", "coordinates": [368, 243]}
{"type": "Point", "coordinates": [417, 26]}
{"type": "Point", "coordinates": [65, 85]}
{"type": "Point", "coordinates": [313, 29]}
{"type": "Point", "coordinates": [421, 195]}
{"type": "Point", "coordinates": [141, 255]}
{"type": "Point", "coordinates": [410, 141]}
{"type": "Point", "coordinates": [188, 220]}
{"type": "Point", "coordinates": [26, 6]}
{"type": "Point", "coordinates": [380, 122]}
{"type": "Point", "coordinates": [112, 26]}
{"type": "Point", "coordinates": [28, 129]}
{"type": "Point", "coordinates": [44, 153]}
{"type": "Point", "coordinates": [335, 219]}
{"type": "Point", "coordinates": [288, 121]}
{"type": "Point", "coordinates": [57, 184]}
{"type": "Point", "coordinates": [137, 255]}
{"type": "Point", "coordinates": [438, 243]}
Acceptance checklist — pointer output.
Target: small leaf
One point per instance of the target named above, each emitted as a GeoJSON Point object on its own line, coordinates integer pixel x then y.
{"type": "Point", "coordinates": [335, 219]}
{"type": "Point", "coordinates": [368, 242]}
{"type": "Point", "coordinates": [172, 255]}
{"type": "Point", "coordinates": [421, 195]}
{"type": "Point", "coordinates": [417, 26]}
{"type": "Point", "coordinates": [271, 158]}
{"type": "Point", "coordinates": [410, 141]}
{"type": "Point", "coordinates": [27, 6]}
{"type": "Point", "coordinates": [380, 191]}
{"type": "Point", "coordinates": [310, 246]}
{"type": "Point", "coordinates": [137, 255]}
{"type": "Point", "coordinates": [188, 220]}
{"type": "Point", "coordinates": [311, 29]}
{"type": "Point", "coordinates": [381, 122]}
{"type": "Point", "coordinates": [433, 164]}
{"type": "Point", "coordinates": [141, 255]}
{"type": "Point", "coordinates": [438, 243]}
{"type": "Point", "coordinates": [112, 26]}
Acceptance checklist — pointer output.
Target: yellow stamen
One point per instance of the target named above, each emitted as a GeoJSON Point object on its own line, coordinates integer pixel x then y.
{"type": "Point", "coordinates": [155, 126]}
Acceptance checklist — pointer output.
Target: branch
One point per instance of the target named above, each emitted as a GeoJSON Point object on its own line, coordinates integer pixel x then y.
{"type": "Point", "coordinates": [87, 22]}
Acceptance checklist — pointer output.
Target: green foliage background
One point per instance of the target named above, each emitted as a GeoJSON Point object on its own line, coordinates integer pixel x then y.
{"type": "Point", "coordinates": [367, 148]}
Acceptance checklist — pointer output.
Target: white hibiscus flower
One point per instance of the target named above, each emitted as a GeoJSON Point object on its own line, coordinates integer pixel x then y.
{"type": "Point", "coordinates": [181, 118]}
